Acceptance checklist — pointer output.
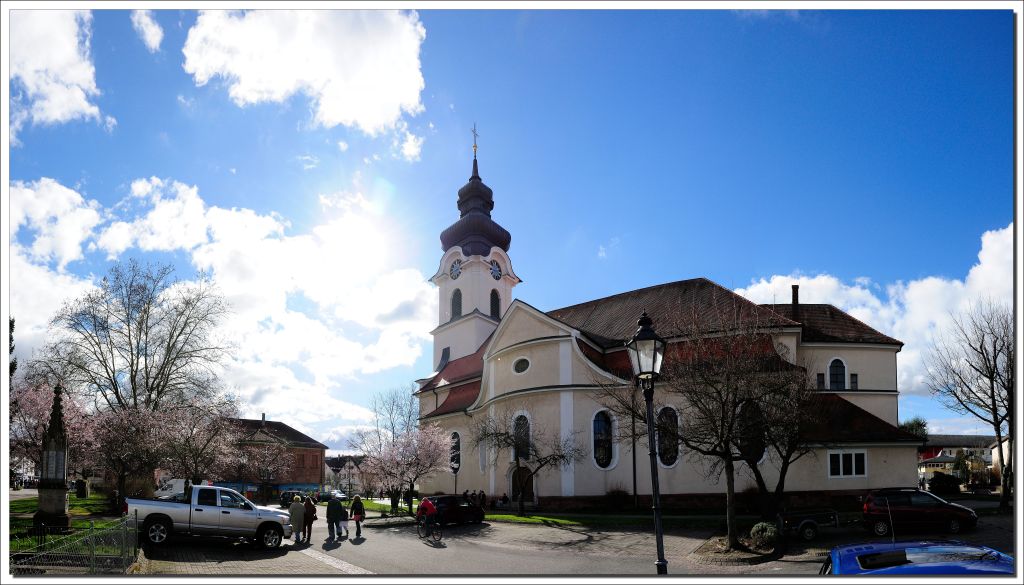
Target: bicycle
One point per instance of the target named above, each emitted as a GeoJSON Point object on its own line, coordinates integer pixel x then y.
{"type": "Point", "coordinates": [429, 527]}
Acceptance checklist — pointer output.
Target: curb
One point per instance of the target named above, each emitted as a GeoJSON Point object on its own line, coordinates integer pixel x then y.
{"type": "Point", "coordinates": [707, 560]}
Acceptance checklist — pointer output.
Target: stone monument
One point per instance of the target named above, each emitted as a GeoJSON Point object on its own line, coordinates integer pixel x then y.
{"type": "Point", "coordinates": [53, 484]}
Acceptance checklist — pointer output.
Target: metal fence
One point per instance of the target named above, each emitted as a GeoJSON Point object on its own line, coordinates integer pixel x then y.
{"type": "Point", "coordinates": [108, 548]}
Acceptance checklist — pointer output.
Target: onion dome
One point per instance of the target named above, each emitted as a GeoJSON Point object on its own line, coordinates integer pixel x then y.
{"type": "Point", "coordinates": [475, 231]}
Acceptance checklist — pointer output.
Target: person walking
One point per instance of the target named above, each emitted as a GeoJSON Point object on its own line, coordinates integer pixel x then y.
{"type": "Point", "coordinates": [308, 518]}
{"type": "Point", "coordinates": [358, 514]}
{"type": "Point", "coordinates": [334, 514]}
{"type": "Point", "coordinates": [343, 523]}
{"type": "Point", "coordinates": [296, 514]}
{"type": "Point", "coordinates": [483, 500]}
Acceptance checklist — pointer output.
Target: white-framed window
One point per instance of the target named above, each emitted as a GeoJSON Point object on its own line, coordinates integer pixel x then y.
{"type": "Point", "coordinates": [602, 439]}
{"type": "Point", "coordinates": [847, 463]}
{"type": "Point", "coordinates": [668, 446]}
{"type": "Point", "coordinates": [837, 374]}
{"type": "Point", "coordinates": [520, 365]}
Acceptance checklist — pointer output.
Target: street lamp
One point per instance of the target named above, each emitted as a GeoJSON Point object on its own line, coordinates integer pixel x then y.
{"type": "Point", "coordinates": [646, 351]}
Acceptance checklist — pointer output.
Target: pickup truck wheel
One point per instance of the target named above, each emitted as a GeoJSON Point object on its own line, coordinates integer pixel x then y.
{"type": "Point", "coordinates": [808, 532]}
{"type": "Point", "coordinates": [270, 537]}
{"type": "Point", "coordinates": [157, 531]}
{"type": "Point", "coordinates": [880, 528]}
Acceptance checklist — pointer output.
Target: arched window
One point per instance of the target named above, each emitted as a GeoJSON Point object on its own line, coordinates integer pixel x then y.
{"type": "Point", "coordinates": [668, 430]}
{"type": "Point", "coordinates": [521, 432]}
{"type": "Point", "coordinates": [495, 305]}
{"type": "Point", "coordinates": [456, 304]}
{"type": "Point", "coordinates": [603, 439]}
{"type": "Point", "coordinates": [456, 455]}
{"type": "Point", "coordinates": [837, 375]}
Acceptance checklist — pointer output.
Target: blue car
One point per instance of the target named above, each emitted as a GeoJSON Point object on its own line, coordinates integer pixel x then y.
{"type": "Point", "coordinates": [916, 557]}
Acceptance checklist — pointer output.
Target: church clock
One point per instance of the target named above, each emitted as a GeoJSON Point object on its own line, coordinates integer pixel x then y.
{"type": "Point", "coordinates": [455, 270]}
{"type": "Point", "coordinates": [495, 270]}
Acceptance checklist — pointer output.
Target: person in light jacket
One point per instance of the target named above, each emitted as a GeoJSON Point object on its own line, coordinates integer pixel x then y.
{"type": "Point", "coordinates": [296, 513]}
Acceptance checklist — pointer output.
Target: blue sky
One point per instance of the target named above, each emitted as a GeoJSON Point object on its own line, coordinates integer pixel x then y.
{"type": "Point", "coordinates": [309, 161]}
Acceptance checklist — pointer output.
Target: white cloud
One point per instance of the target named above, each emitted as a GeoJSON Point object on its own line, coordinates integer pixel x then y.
{"type": "Point", "coordinates": [60, 218]}
{"type": "Point", "coordinates": [308, 161]}
{"type": "Point", "coordinates": [411, 146]}
{"type": "Point", "coordinates": [176, 219]}
{"type": "Point", "coordinates": [359, 68]}
{"type": "Point", "coordinates": [911, 311]}
{"type": "Point", "coordinates": [52, 75]}
{"type": "Point", "coordinates": [148, 29]}
{"type": "Point", "coordinates": [342, 145]}
{"type": "Point", "coordinates": [187, 103]}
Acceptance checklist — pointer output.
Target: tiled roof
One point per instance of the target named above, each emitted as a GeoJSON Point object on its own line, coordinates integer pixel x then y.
{"type": "Point", "coordinates": [940, 459]}
{"type": "Point", "coordinates": [973, 441]}
{"type": "Point", "coordinates": [459, 398]}
{"type": "Point", "coordinates": [843, 422]}
{"type": "Point", "coordinates": [826, 323]}
{"type": "Point", "coordinates": [612, 320]}
{"type": "Point", "coordinates": [465, 368]}
{"type": "Point", "coordinates": [277, 430]}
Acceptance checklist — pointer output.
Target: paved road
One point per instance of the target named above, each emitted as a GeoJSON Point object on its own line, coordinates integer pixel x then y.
{"type": "Point", "coordinates": [23, 493]}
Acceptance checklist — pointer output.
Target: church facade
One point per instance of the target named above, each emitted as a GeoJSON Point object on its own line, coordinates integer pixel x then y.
{"type": "Point", "coordinates": [545, 370]}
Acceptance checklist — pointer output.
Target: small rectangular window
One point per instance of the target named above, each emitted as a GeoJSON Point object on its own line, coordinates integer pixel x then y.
{"type": "Point", "coordinates": [847, 463]}
{"type": "Point", "coordinates": [821, 381]}
{"type": "Point", "coordinates": [833, 464]}
{"type": "Point", "coordinates": [858, 463]}
{"type": "Point", "coordinates": [853, 381]}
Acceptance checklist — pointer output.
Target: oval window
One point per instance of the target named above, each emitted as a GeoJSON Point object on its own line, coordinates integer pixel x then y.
{"type": "Point", "coordinates": [521, 365]}
{"type": "Point", "coordinates": [603, 439]}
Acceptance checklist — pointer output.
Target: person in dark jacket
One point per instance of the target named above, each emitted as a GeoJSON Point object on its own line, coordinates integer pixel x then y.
{"type": "Point", "coordinates": [308, 518]}
{"type": "Point", "coordinates": [483, 500]}
{"type": "Point", "coordinates": [334, 516]}
{"type": "Point", "coordinates": [358, 514]}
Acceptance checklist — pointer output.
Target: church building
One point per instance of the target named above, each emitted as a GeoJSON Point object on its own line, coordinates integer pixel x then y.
{"type": "Point", "coordinates": [500, 356]}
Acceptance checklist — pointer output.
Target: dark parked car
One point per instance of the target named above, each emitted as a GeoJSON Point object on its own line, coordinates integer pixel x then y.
{"type": "Point", "coordinates": [456, 510]}
{"type": "Point", "coordinates": [288, 496]}
{"type": "Point", "coordinates": [916, 557]}
{"type": "Point", "coordinates": [911, 509]}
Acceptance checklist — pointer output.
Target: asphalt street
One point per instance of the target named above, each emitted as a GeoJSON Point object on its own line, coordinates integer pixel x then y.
{"type": "Point", "coordinates": [464, 550]}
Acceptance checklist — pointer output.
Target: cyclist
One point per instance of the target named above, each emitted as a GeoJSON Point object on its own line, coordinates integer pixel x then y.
{"type": "Point", "coordinates": [426, 512]}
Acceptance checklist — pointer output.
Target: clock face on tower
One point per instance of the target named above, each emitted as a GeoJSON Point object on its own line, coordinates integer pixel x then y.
{"type": "Point", "coordinates": [495, 270]}
{"type": "Point", "coordinates": [456, 269]}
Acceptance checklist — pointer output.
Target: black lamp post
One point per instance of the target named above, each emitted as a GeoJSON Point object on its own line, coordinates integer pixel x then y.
{"type": "Point", "coordinates": [646, 351]}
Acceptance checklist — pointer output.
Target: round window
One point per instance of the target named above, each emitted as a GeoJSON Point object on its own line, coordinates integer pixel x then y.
{"type": "Point", "coordinates": [521, 365]}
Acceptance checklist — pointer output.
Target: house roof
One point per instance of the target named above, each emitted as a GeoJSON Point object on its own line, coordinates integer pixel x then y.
{"type": "Point", "coordinates": [940, 459]}
{"type": "Point", "coordinates": [843, 422]}
{"type": "Point", "coordinates": [464, 368]}
{"type": "Point", "coordinates": [972, 441]}
{"type": "Point", "coordinates": [260, 431]}
{"type": "Point", "coordinates": [338, 461]}
{"type": "Point", "coordinates": [458, 399]}
{"type": "Point", "coordinates": [610, 321]}
{"type": "Point", "coordinates": [826, 323]}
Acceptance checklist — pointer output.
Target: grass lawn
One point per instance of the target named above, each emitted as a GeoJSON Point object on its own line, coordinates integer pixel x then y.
{"type": "Point", "coordinates": [95, 504]}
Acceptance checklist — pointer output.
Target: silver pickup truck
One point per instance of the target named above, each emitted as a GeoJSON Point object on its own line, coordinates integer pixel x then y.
{"type": "Point", "coordinates": [209, 511]}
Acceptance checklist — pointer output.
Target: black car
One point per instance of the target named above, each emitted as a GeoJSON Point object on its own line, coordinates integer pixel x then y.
{"type": "Point", "coordinates": [288, 496]}
{"type": "Point", "coordinates": [911, 509]}
{"type": "Point", "coordinates": [456, 510]}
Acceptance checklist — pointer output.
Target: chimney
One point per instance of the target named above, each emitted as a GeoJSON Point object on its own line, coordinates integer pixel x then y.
{"type": "Point", "coordinates": [796, 295]}
{"type": "Point", "coordinates": [263, 415]}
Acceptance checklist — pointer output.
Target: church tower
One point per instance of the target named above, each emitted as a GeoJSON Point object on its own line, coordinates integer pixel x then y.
{"type": "Point", "coordinates": [475, 277]}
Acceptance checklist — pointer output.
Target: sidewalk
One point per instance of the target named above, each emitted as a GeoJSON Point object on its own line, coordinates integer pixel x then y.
{"type": "Point", "coordinates": [221, 557]}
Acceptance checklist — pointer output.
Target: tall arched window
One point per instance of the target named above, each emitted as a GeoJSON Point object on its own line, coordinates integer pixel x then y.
{"type": "Point", "coordinates": [521, 431]}
{"type": "Point", "coordinates": [603, 439]}
{"type": "Point", "coordinates": [668, 430]}
{"type": "Point", "coordinates": [456, 304]}
{"type": "Point", "coordinates": [495, 305]}
{"type": "Point", "coordinates": [837, 375]}
{"type": "Point", "coordinates": [456, 455]}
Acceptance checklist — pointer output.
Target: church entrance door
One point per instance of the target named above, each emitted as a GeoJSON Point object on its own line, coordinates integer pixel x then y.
{"type": "Point", "coordinates": [520, 474]}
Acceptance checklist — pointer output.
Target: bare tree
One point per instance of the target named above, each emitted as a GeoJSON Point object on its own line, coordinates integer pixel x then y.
{"type": "Point", "coordinates": [971, 370]}
{"type": "Point", "coordinates": [138, 341]}
{"type": "Point", "coordinates": [532, 449]}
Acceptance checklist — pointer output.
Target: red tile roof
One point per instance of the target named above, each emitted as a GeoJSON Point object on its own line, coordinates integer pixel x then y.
{"type": "Point", "coordinates": [464, 368]}
{"type": "Point", "coordinates": [844, 422]}
{"type": "Point", "coordinates": [830, 324]}
{"type": "Point", "coordinates": [612, 320]}
{"type": "Point", "coordinates": [459, 398]}
{"type": "Point", "coordinates": [277, 430]}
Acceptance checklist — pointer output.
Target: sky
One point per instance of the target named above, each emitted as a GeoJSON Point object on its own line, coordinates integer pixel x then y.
{"type": "Point", "coordinates": [308, 161]}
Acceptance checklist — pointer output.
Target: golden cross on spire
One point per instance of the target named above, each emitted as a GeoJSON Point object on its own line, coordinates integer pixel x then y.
{"type": "Point", "coordinates": [475, 136]}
